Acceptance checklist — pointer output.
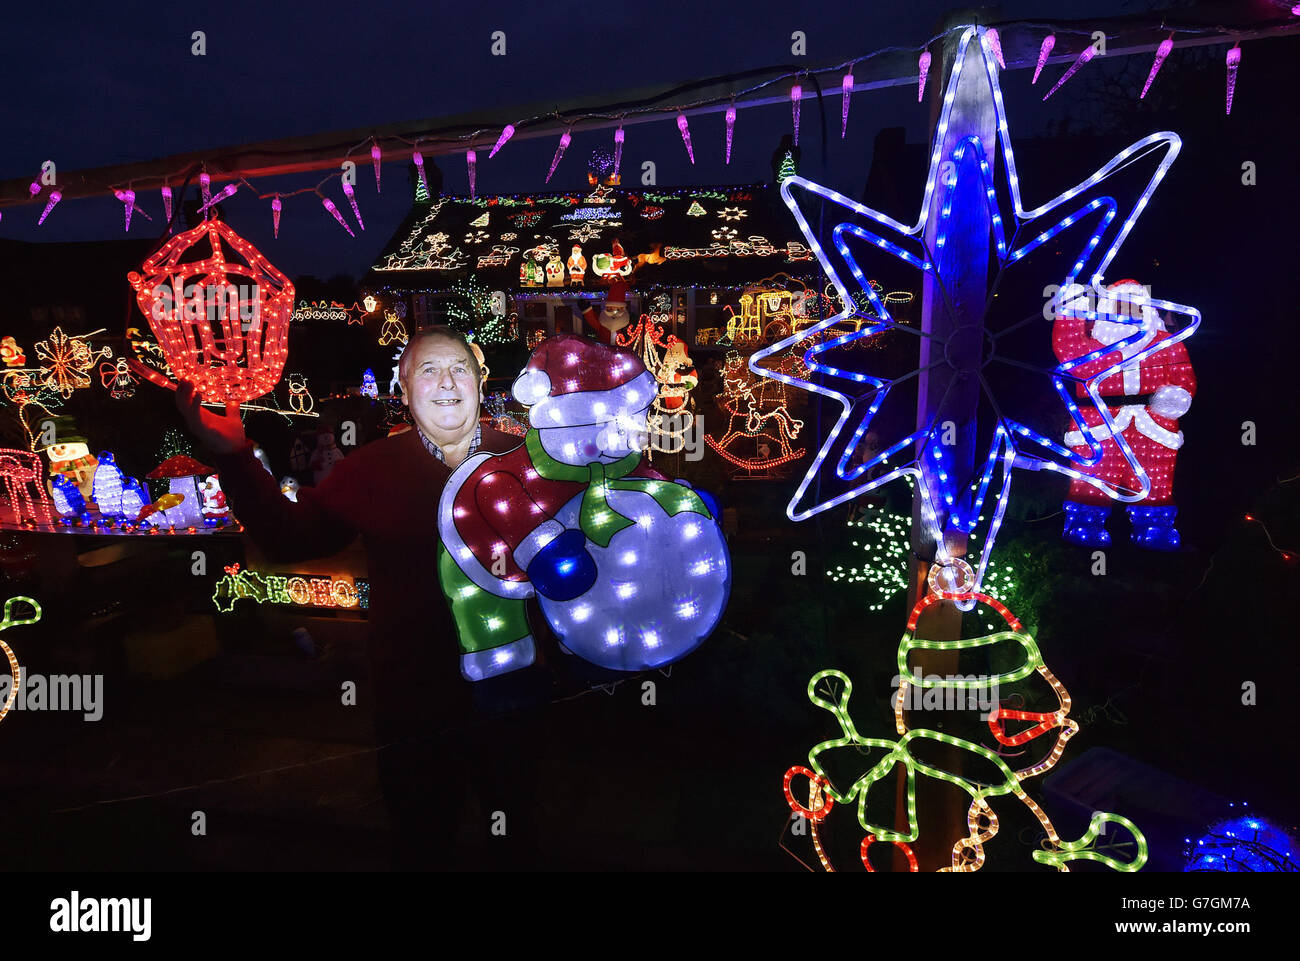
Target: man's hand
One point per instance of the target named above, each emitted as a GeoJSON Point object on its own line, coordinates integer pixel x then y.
{"type": "Point", "coordinates": [221, 434]}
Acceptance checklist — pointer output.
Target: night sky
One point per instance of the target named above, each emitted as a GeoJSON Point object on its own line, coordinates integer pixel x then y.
{"type": "Point", "coordinates": [106, 89]}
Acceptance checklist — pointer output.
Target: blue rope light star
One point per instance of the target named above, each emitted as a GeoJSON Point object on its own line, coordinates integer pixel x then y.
{"type": "Point", "coordinates": [950, 503]}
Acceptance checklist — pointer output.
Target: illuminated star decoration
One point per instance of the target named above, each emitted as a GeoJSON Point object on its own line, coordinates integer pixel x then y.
{"type": "Point", "coordinates": [954, 504]}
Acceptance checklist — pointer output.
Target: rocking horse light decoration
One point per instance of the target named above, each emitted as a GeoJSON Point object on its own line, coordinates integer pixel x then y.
{"type": "Point", "coordinates": [24, 500]}
{"type": "Point", "coordinates": [758, 420]}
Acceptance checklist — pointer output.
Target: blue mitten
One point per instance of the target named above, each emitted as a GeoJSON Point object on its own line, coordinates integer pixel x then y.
{"type": "Point", "coordinates": [563, 569]}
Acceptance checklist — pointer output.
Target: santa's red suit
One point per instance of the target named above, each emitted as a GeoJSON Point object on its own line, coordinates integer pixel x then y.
{"type": "Point", "coordinates": [613, 313]}
{"type": "Point", "coordinates": [214, 500]}
{"type": "Point", "coordinates": [1144, 399]}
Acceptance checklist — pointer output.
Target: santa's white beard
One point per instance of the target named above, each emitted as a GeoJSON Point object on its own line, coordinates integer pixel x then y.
{"type": "Point", "coordinates": [660, 590]}
{"type": "Point", "coordinates": [614, 319]}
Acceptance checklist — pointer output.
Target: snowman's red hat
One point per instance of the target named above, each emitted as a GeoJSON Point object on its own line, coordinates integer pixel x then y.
{"type": "Point", "coordinates": [572, 381]}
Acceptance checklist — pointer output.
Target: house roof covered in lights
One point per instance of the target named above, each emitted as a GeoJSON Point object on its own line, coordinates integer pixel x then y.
{"type": "Point", "coordinates": [705, 237]}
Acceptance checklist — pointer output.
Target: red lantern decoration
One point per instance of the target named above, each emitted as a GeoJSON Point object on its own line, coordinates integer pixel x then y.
{"type": "Point", "coordinates": [221, 323]}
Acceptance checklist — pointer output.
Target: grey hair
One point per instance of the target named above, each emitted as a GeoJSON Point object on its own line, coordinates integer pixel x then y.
{"type": "Point", "coordinates": [444, 332]}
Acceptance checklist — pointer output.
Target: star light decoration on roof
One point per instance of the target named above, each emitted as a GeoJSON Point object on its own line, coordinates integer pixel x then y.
{"type": "Point", "coordinates": [953, 497]}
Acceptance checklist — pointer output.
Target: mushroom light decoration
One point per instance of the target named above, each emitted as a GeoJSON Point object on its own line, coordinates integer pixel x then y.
{"type": "Point", "coordinates": [184, 475]}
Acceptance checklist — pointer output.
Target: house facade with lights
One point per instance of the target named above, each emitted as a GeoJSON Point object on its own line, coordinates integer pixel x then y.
{"type": "Point", "coordinates": [685, 254]}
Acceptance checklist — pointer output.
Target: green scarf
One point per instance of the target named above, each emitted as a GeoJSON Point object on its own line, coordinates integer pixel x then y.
{"type": "Point", "coordinates": [598, 520]}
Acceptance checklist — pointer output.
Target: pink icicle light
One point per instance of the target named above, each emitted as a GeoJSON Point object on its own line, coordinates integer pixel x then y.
{"type": "Point", "coordinates": [352, 199]}
{"type": "Point", "coordinates": [1234, 59]}
{"type": "Point", "coordinates": [846, 91]}
{"type": "Point", "coordinates": [375, 158]}
{"type": "Point", "coordinates": [205, 183]}
{"type": "Point", "coordinates": [334, 212]}
{"type": "Point", "coordinates": [995, 45]}
{"type": "Point", "coordinates": [418, 159]}
{"type": "Point", "coordinates": [128, 199]}
{"type": "Point", "coordinates": [685, 129]}
{"type": "Point", "coordinates": [507, 132]}
{"type": "Point", "coordinates": [275, 216]}
{"type": "Point", "coordinates": [618, 152]}
{"type": "Point", "coordinates": [923, 69]}
{"type": "Point", "coordinates": [559, 154]}
{"type": "Point", "coordinates": [1162, 51]}
{"type": "Point", "coordinates": [1044, 52]}
{"type": "Point", "coordinates": [1088, 53]}
{"type": "Point", "coordinates": [227, 191]}
{"type": "Point", "coordinates": [167, 203]}
{"type": "Point", "coordinates": [796, 99]}
{"type": "Point", "coordinates": [55, 197]}
{"type": "Point", "coordinates": [471, 166]}
{"type": "Point", "coordinates": [731, 129]}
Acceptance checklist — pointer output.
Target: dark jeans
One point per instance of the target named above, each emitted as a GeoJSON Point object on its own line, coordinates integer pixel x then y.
{"type": "Point", "coordinates": [428, 766]}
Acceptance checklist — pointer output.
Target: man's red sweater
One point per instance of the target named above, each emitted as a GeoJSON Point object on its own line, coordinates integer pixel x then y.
{"type": "Point", "coordinates": [387, 492]}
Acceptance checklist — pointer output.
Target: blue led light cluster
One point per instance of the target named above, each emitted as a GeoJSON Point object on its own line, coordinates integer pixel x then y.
{"type": "Point", "coordinates": [1242, 843]}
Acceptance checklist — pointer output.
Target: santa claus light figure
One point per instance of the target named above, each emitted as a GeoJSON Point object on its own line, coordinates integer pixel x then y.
{"type": "Point", "coordinates": [1144, 399]}
{"type": "Point", "coordinates": [605, 324]}
{"type": "Point", "coordinates": [630, 569]}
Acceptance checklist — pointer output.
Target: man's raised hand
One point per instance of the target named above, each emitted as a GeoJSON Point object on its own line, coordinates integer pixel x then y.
{"type": "Point", "coordinates": [222, 434]}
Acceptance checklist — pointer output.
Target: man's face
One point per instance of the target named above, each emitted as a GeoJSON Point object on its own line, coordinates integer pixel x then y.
{"type": "Point", "coordinates": [441, 390]}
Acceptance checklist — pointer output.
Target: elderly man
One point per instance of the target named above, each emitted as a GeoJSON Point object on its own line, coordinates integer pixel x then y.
{"type": "Point", "coordinates": [387, 492]}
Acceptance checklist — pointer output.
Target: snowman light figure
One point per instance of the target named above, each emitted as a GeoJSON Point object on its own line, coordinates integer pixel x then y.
{"type": "Point", "coordinates": [630, 569]}
{"type": "Point", "coordinates": [300, 399]}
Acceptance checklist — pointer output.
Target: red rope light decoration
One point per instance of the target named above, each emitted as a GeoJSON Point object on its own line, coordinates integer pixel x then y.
{"type": "Point", "coordinates": [220, 323]}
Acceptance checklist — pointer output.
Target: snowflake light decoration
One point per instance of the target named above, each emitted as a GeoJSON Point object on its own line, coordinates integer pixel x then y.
{"type": "Point", "coordinates": [733, 213]}
{"type": "Point", "coordinates": [954, 497]}
{"type": "Point", "coordinates": [585, 233]}
{"type": "Point", "coordinates": [66, 361]}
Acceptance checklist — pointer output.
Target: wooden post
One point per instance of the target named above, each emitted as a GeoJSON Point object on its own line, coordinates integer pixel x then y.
{"type": "Point", "coordinates": [948, 398]}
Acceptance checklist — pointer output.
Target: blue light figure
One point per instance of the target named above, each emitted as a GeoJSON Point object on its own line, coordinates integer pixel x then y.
{"type": "Point", "coordinates": [133, 499]}
{"type": "Point", "coordinates": [68, 499]}
{"type": "Point", "coordinates": [106, 488]}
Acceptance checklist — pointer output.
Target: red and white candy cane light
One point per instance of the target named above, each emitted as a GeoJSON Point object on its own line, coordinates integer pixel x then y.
{"type": "Point", "coordinates": [220, 312]}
